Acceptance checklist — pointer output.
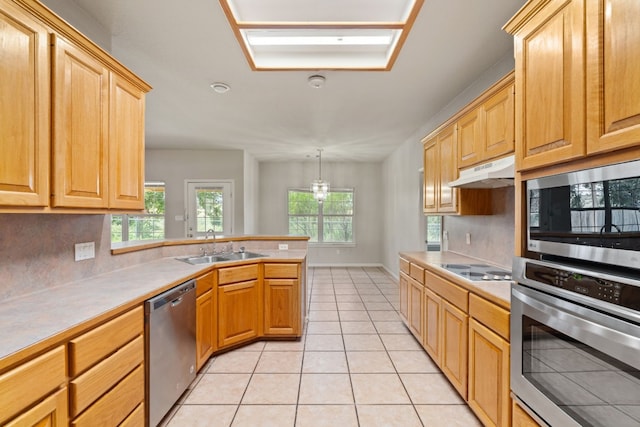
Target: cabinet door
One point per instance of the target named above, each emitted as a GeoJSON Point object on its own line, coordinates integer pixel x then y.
{"type": "Point", "coordinates": [550, 85]}
{"type": "Point", "coordinates": [431, 173]}
{"type": "Point", "coordinates": [24, 110]}
{"type": "Point", "coordinates": [281, 307]}
{"type": "Point", "coordinates": [416, 312]}
{"type": "Point", "coordinates": [404, 298]}
{"type": "Point", "coordinates": [126, 145]}
{"type": "Point", "coordinates": [432, 316]}
{"type": "Point", "coordinates": [447, 161]}
{"type": "Point", "coordinates": [80, 128]}
{"type": "Point", "coordinates": [237, 312]}
{"type": "Point", "coordinates": [204, 328]}
{"type": "Point", "coordinates": [488, 375]}
{"type": "Point", "coordinates": [51, 412]}
{"type": "Point", "coordinates": [454, 346]}
{"type": "Point", "coordinates": [470, 138]}
{"type": "Point", "coordinates": [498, 124]}
{"type": "Point", "coordinates": [613, 74]}
{"type": "Point", "coordinates": [519, 418]}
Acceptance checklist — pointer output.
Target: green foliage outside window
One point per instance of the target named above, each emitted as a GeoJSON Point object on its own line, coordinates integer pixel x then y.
{"type": "Point", "coordinates": [328, 222]}
{"type": "Point", "coordinates": [149, 226]}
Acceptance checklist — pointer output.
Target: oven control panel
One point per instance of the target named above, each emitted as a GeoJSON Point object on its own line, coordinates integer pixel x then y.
{"type": "Point", "coordinates": [617, 293]}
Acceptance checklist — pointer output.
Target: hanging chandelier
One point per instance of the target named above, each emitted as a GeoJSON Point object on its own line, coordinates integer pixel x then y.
{"type": "Point", "coordinates": [319, 188]}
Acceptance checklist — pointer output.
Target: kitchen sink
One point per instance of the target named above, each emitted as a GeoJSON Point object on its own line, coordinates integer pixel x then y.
{"type": "Point", "coordinates": [210, 259]}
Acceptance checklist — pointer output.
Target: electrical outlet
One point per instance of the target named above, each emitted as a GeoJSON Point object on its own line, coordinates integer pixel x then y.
{"type": "Point", "coordinates": [85, 251]}
{"type": "Point", "coordinates": [468, 236]}
{"type": "Point", "coordinates": [283, 246]}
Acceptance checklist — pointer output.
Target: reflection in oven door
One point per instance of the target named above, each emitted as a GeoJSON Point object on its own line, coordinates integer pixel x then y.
{"type": "Point", "coordinates": [572, 365]}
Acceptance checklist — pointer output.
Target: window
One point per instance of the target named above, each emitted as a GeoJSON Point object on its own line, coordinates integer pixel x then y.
{"type": "Point", "coordinates": [434, 230]}
{"type": "Point", "coordinates": [209, 206]}
{"type": "Point", "coordinates": [146, 226]}
{"type": "Point", "coordinates": [328, 222]}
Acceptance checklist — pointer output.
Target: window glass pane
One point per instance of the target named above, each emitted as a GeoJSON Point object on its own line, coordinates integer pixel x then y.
{"type": "Point", "coordinates": [302, 203]}
{"type": "Point", "coordinates": [209, 209]}
{"type": "Point", "coordinates": [328, 222]}
{"type": "Point", "coordinates": [148, 226]}
{"type": "Point", "coordinates": [338, 203]}
{"type": "Point", "coordinates": [116, 228]}
{"type": "Point", "coordinates": [304, 226]}
{"type": "Point", "coordinates": [337, 229]}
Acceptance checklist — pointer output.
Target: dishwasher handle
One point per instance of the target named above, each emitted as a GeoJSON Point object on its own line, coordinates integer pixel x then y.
{"type": "Point", "coordinates": [174, 296]}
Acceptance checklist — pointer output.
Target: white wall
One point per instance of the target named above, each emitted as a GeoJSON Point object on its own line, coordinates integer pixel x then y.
{"type": "Point", "coordinates": [175, 166]}
{"type": "Point", "coordinates": [81, 21]}
{"type": "Point", "coordinates": [400, 170]}
{"type": "Point", "coordinates": [366, 180]}
{"type": "Point", "coordinates": [251, 182]}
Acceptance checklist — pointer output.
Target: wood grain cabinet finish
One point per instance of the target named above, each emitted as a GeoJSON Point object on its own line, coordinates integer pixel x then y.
{"type": "Point", "coordinates": [454, 324]}
{"type": "Point", "coordinates": [613, 73]}
{"type": "Point", "coordinates": [204, 328]}
{"type": "Point", "coordinates": [239, 312]}
{"type": "Point", "coordinates": [404, 296]}
{"type": "Point", "coordinates": [550, 82]}
{"type": "Point", "coordinates": [416, 309]}
{"type": "Point", "coordinates": [432, 328]}
{"type": "Point", "coordinates": [488, 394]}
{"type": "Point", "coordinates": [520, 418]}
{"type": "Point", "coordinates": [42, 377]}
{"type": "Point", "coordinates": [282, 299]}
{"type": "Point", "coordinates": [80, 131]}
{"type": "Point", "coordinates": [24, 121]}
{"type": "Point", "coordinates": [106, 365]}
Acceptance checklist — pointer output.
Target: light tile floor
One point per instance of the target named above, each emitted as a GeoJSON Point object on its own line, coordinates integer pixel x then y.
{"type": "Point", "coordinates": [356, 365]}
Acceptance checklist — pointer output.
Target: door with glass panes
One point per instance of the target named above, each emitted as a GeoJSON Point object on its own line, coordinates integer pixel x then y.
{"type": "Point", "coordinates": [209, 206]}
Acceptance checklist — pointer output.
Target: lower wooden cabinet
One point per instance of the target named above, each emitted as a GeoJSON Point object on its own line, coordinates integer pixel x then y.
{"type": "Point", "coordinates": [454, 346]}
{"type": "Point", "coordinates": [432, 316]}
{"type": "Point", "coordinates": [404, 297]}
{"type": "Point", "coordinates": [416, 311]}
{"type": "Point", "coordinates": [519, 418]}
{"type": "Point", "coordinates": [238, 312]}
{"type": "Point", "coordinates": [204, 328]}
{"type": "Point", "coordinates": [488, 375]}
{"type": "Point", "coordinates": [281, 307]}
{"type": "Point", "coordinates": [42, 377]}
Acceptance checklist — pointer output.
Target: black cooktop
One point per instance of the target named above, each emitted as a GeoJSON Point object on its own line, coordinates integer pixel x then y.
{"type": "Point", "coordinates": [478, 272]}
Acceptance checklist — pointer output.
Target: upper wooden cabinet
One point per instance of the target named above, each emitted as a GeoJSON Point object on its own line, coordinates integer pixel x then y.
{"type": "Point", "coordinates": [486, 129]}
{"type": "Point", "coordinates": [440, 169]}
{"type": "Point", "coordinates": [613, 73]}
{"type": "Point", "coordinates": [73, 134]}
{"type": "Point", "coordinates": [24, 110]}
{"type": "Point", "coordinates": [577, 68]}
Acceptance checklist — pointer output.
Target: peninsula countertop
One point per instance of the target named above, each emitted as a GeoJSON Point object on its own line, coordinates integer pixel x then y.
{"type": "Point", "coordinates": [32, 323]}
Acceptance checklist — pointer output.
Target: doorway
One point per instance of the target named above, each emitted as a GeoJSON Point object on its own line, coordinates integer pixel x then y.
{"type": "Point", "coordinates": [209, 206]}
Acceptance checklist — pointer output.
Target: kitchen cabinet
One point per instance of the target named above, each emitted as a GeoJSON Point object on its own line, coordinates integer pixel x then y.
{"type": "Point", "coordinates": [549, 46]}
{"type": "Point", "coordinates": [37, 390]}
{"type": "Point", "coordinates": [24, 122]}
{"type": "Point", "coordinates": [404, 289]}
{"type": "Point", "coordinates": [205, 318]}
{"type": "Point", "coordinates": [440, 168]}
{"type": "Point", "coordinates": [106, 365]}
{"type": "Point", "coordinates": [612, 74]}
{"type": "Point", "coordinates": [489, 354]}
{"type": "Point", "coordinates": [75, 136]}
{"type": "Point", "coordinates": [281, 299]}
{"type": "Point", "coordinates": [432, 317]}
{"type": "Point", "coordinates": [454, 346]}
{"type": "Point", "coordinates": [239, 305]}
{"type": "Point", "coordinates": [520, 418]}
{"type": "Point", "coordinates": [486, 131]}
{"type": "Point", "coordinates": [416, 301]}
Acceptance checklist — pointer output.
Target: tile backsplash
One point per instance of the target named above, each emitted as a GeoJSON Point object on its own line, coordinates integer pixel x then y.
{"type": "Point", "coordinates": [492, 236]}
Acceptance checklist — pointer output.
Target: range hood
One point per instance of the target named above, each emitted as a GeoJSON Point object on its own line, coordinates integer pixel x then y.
{"type": "Point", "coordinates": [494, 174]}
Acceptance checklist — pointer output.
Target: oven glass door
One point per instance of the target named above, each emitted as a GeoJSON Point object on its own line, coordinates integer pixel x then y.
{"type": "Point", "coordinates": [566, 379]}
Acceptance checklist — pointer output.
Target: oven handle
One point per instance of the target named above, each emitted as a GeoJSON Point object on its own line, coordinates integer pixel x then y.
{"type": "Point", "coordinates": [614, 336]}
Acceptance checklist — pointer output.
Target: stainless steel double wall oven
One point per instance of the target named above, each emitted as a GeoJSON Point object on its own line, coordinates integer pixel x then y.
{"type": "Point", "coordinates": [575, 310]}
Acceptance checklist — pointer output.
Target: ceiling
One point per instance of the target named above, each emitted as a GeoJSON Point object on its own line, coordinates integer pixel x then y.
{"type": "Point", "coordinates": [180, 48]}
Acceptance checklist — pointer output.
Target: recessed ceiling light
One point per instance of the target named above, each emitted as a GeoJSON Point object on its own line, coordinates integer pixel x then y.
{"type": "Point", "coordinates": [220, 87]}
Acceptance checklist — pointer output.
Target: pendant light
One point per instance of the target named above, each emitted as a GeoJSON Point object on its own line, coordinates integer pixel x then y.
{"type": "Point", "coordinates": [319, 188]}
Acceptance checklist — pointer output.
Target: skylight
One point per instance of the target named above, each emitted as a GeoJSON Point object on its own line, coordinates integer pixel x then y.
{"type": "Point", "coordinates": [326, 34]}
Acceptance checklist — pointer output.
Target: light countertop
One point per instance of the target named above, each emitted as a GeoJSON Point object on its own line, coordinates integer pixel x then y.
{"type": "Point", "coordinates": [34, 322]}
{"type": "Point", "coordinates": [498, 292]}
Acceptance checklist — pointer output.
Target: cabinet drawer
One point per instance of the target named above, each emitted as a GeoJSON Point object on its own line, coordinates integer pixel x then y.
{"type": "Point", "coordinates": [281, 271]}
{"type": "Point", "coordinates": [490, 315]}
{"type": "Point", "coordinates": [89, 386]}
{"type": "Point", "coordinates": [205, 283]}
{"type": "Point", "coordinates": [447, 290]}
{"type": "Point", "coordinates": [31, 381]}
{"type": "Point", "coordinates": [416, 272]}
{"type": "Point", "coordinates": [404, 266]}
{"type": "Point", "coordinates": [237, 274]}
{"type": "Point", "coordinates": [117, 404]}
{"type": "Point", "coordinates": [136, 418]}
{"type": "Point", "coordinates": [90, 348]}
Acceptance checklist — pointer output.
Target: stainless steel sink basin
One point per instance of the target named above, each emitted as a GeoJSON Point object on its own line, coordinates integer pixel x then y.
{"type": "Point", "coordinates": [202, 259]}
{"type": "Point", "coordinates": [243, 255]}
{"type": "Point", "coordinates": [210, 259]}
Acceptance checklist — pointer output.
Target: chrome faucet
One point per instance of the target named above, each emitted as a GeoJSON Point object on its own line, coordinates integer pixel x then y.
{"type": "Point", "coordinates": [206, 237]}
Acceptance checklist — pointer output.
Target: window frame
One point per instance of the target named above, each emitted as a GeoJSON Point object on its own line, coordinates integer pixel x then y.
{"type": "Point", "coordinates": [320, 216]}
{"type": "Point", "coordinates": [124, 232]}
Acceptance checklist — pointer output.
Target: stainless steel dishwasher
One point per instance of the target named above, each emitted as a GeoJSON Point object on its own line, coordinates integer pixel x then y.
{"type": "Point", "coordinates": [170, 347]}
